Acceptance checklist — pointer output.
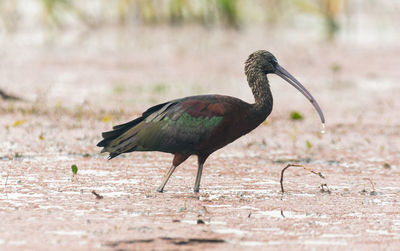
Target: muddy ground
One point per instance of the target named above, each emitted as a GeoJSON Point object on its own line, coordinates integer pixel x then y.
{"type": "Point", "coordinates": [76, 85]}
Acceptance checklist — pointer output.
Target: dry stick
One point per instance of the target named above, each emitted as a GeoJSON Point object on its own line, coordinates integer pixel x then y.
{"type": "Point", "coordinates": [298, 165]}
{"type": "Point", "coordinates": [98, 196]}
{"type": "Point", "coordinates": [372, 183]}
{"type": "Point", "coordinates": [5, 184]}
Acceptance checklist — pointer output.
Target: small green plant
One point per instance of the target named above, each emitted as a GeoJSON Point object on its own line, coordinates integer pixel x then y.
{"type": "Point", "coordinates": [294, 115]}
{"type": "Point", "coordinates": [74, 169]}
{"type": "Point", "coordinates": [309, 145]}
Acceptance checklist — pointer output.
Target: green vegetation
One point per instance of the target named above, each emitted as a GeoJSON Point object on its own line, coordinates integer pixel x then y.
{"type": "Point", "coordinates": [74, 169]}
{"type": "Point", "coordinates": [294, 115]}
{"type": "Point", "coordinates": [309, 145]}
{"type": "Point", "coordinates": [228, 10]}
{"type": "Point", "coordinates": [159, 88]}
{"type": "Point", "coordinates": [226, 13]}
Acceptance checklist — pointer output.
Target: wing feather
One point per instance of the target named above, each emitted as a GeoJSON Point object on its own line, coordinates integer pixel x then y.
{"type": "Point", "coordinates": [175, 126]}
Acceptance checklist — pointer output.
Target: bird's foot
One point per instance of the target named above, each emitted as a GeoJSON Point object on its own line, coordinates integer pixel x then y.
{"type": "Point", "coordinates": [160, 189]}
{"type": "Point", "coordinates": [196, 190]}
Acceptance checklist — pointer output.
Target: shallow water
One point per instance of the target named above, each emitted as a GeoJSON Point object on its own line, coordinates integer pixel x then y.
{"type": "Point", "coordinates": [240, 200]}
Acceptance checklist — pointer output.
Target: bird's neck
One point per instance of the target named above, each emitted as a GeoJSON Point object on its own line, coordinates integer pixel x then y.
{"type": "Point", "coordinates": [259, 85]}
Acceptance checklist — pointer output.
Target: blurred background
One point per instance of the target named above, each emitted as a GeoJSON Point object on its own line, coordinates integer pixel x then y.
{"type": "Point", "coordinates": [105, 59]}
{"type": "Point", "coordinates": [356, 20]}
{"type": "Point", "coordinates": [96, 43]}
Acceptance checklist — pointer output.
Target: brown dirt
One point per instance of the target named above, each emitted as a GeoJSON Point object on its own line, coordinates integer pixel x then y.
{"type": "Point", "coordinates": [73, 89]}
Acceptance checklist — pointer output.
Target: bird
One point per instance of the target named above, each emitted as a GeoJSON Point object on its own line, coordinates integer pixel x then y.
{"type": "Point", "coordinates": [200, 125]}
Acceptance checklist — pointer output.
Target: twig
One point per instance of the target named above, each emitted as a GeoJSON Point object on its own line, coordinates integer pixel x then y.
{"type": "Point", "coordinates": [298, 165]}
{"type": "Point", "coordinates": [372, 183]}
{"type": "Point", "coordinates": [5, 184]}
{"type": "Point", "coordinates": [98, 196]}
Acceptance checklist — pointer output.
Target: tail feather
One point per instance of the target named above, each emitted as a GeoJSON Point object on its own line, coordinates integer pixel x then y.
{"type": "Point", "coordinates": [129, 124]}
{"type": "Point", "coordinates": [115, 144]}
{"type": "Point", "coordinates": [122, 145]}
{"type": "Point", "coordinates": [119, 141]}
{"type": "Point", "coordinates": [118, 131]}
{"type": "Point", "coordinates": [112, 155]}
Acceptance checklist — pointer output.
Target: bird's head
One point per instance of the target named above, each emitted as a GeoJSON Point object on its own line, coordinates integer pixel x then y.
{"type": "Point", "coordinates": [261, 63]}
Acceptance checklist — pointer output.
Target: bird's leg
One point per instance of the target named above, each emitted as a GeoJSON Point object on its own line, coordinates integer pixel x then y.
{"type": "Point", "coordinates": [165, 179]}
{"type": "Point", "coordinates": [198, 178]}
{"type": "Point", "coordinates": [178, 159]}
{"type": "Point", "coordinates": [201, 160]}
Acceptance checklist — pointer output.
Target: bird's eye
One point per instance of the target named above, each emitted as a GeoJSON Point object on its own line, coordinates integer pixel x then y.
{"type": "Point", "coordinates": [274, 62]}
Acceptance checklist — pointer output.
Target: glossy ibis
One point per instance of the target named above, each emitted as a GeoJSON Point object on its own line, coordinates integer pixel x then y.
{"type": "Point", "coordinates": [200, 125]}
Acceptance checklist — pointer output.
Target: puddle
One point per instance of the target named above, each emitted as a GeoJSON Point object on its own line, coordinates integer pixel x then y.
{"type": "Point", "coordinates": [217, 222]}
{"type": "Point", "coordinates": [51, 207]}
{"type": "Point", "coordinates": [124, 181]}
{"type": "Point", "coordinates": [129, 213]}
{"type": "Point", "coordinates": [382, 232]}
{"type": "Point", "coordinates": [303, 194]}
{"type": "Point", "coordinates": [248, 207]}
{"type": "Point", "coordinates": [350, 165]}
{"type": "Point", "coordinates": [230, 231]}
{"type": "Point", "coordinates": [255, 243]}
{"type": "Point", "coordinates": [266, 182]}
{"type": "Point", "coordinates": [288, 214]}
{"type": "Point", "coordinates": [233, 192]}
{"type": "Point", "coordinates": [64, 232]}
{"type": "Point", "coordinates": [16, 242]}
{"type": "Point", "coordinates": [94, 172]}
{"type": "Point", "coordinates": [191, 222]}
{"type": "Point", "coordinates": [114, 194]}
{"type": "Point", "coordinates": [78, 212]}
{"type": "Point", "coordinates": [281, 214]}
{"type": "Point", "coordinates": [323, 223]}
{"type": "Point", "coordinates": [219, 206]}
{"type": "Point", "coordinates": [19, 196]}
{"type": "Point", "coordinates": [175, 241]}
{"type": "Point", "coordinates": [321, 242]}
{"type": "Point", "coordinates": [275, 230]}
{"type": "Point", "coordinates": [338, 236]}
{"type": "Point", "coordinates": [42, 158]}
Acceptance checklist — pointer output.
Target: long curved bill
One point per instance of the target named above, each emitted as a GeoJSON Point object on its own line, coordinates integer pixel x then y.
{"type": "Point", "coordinates": [281, 72]}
